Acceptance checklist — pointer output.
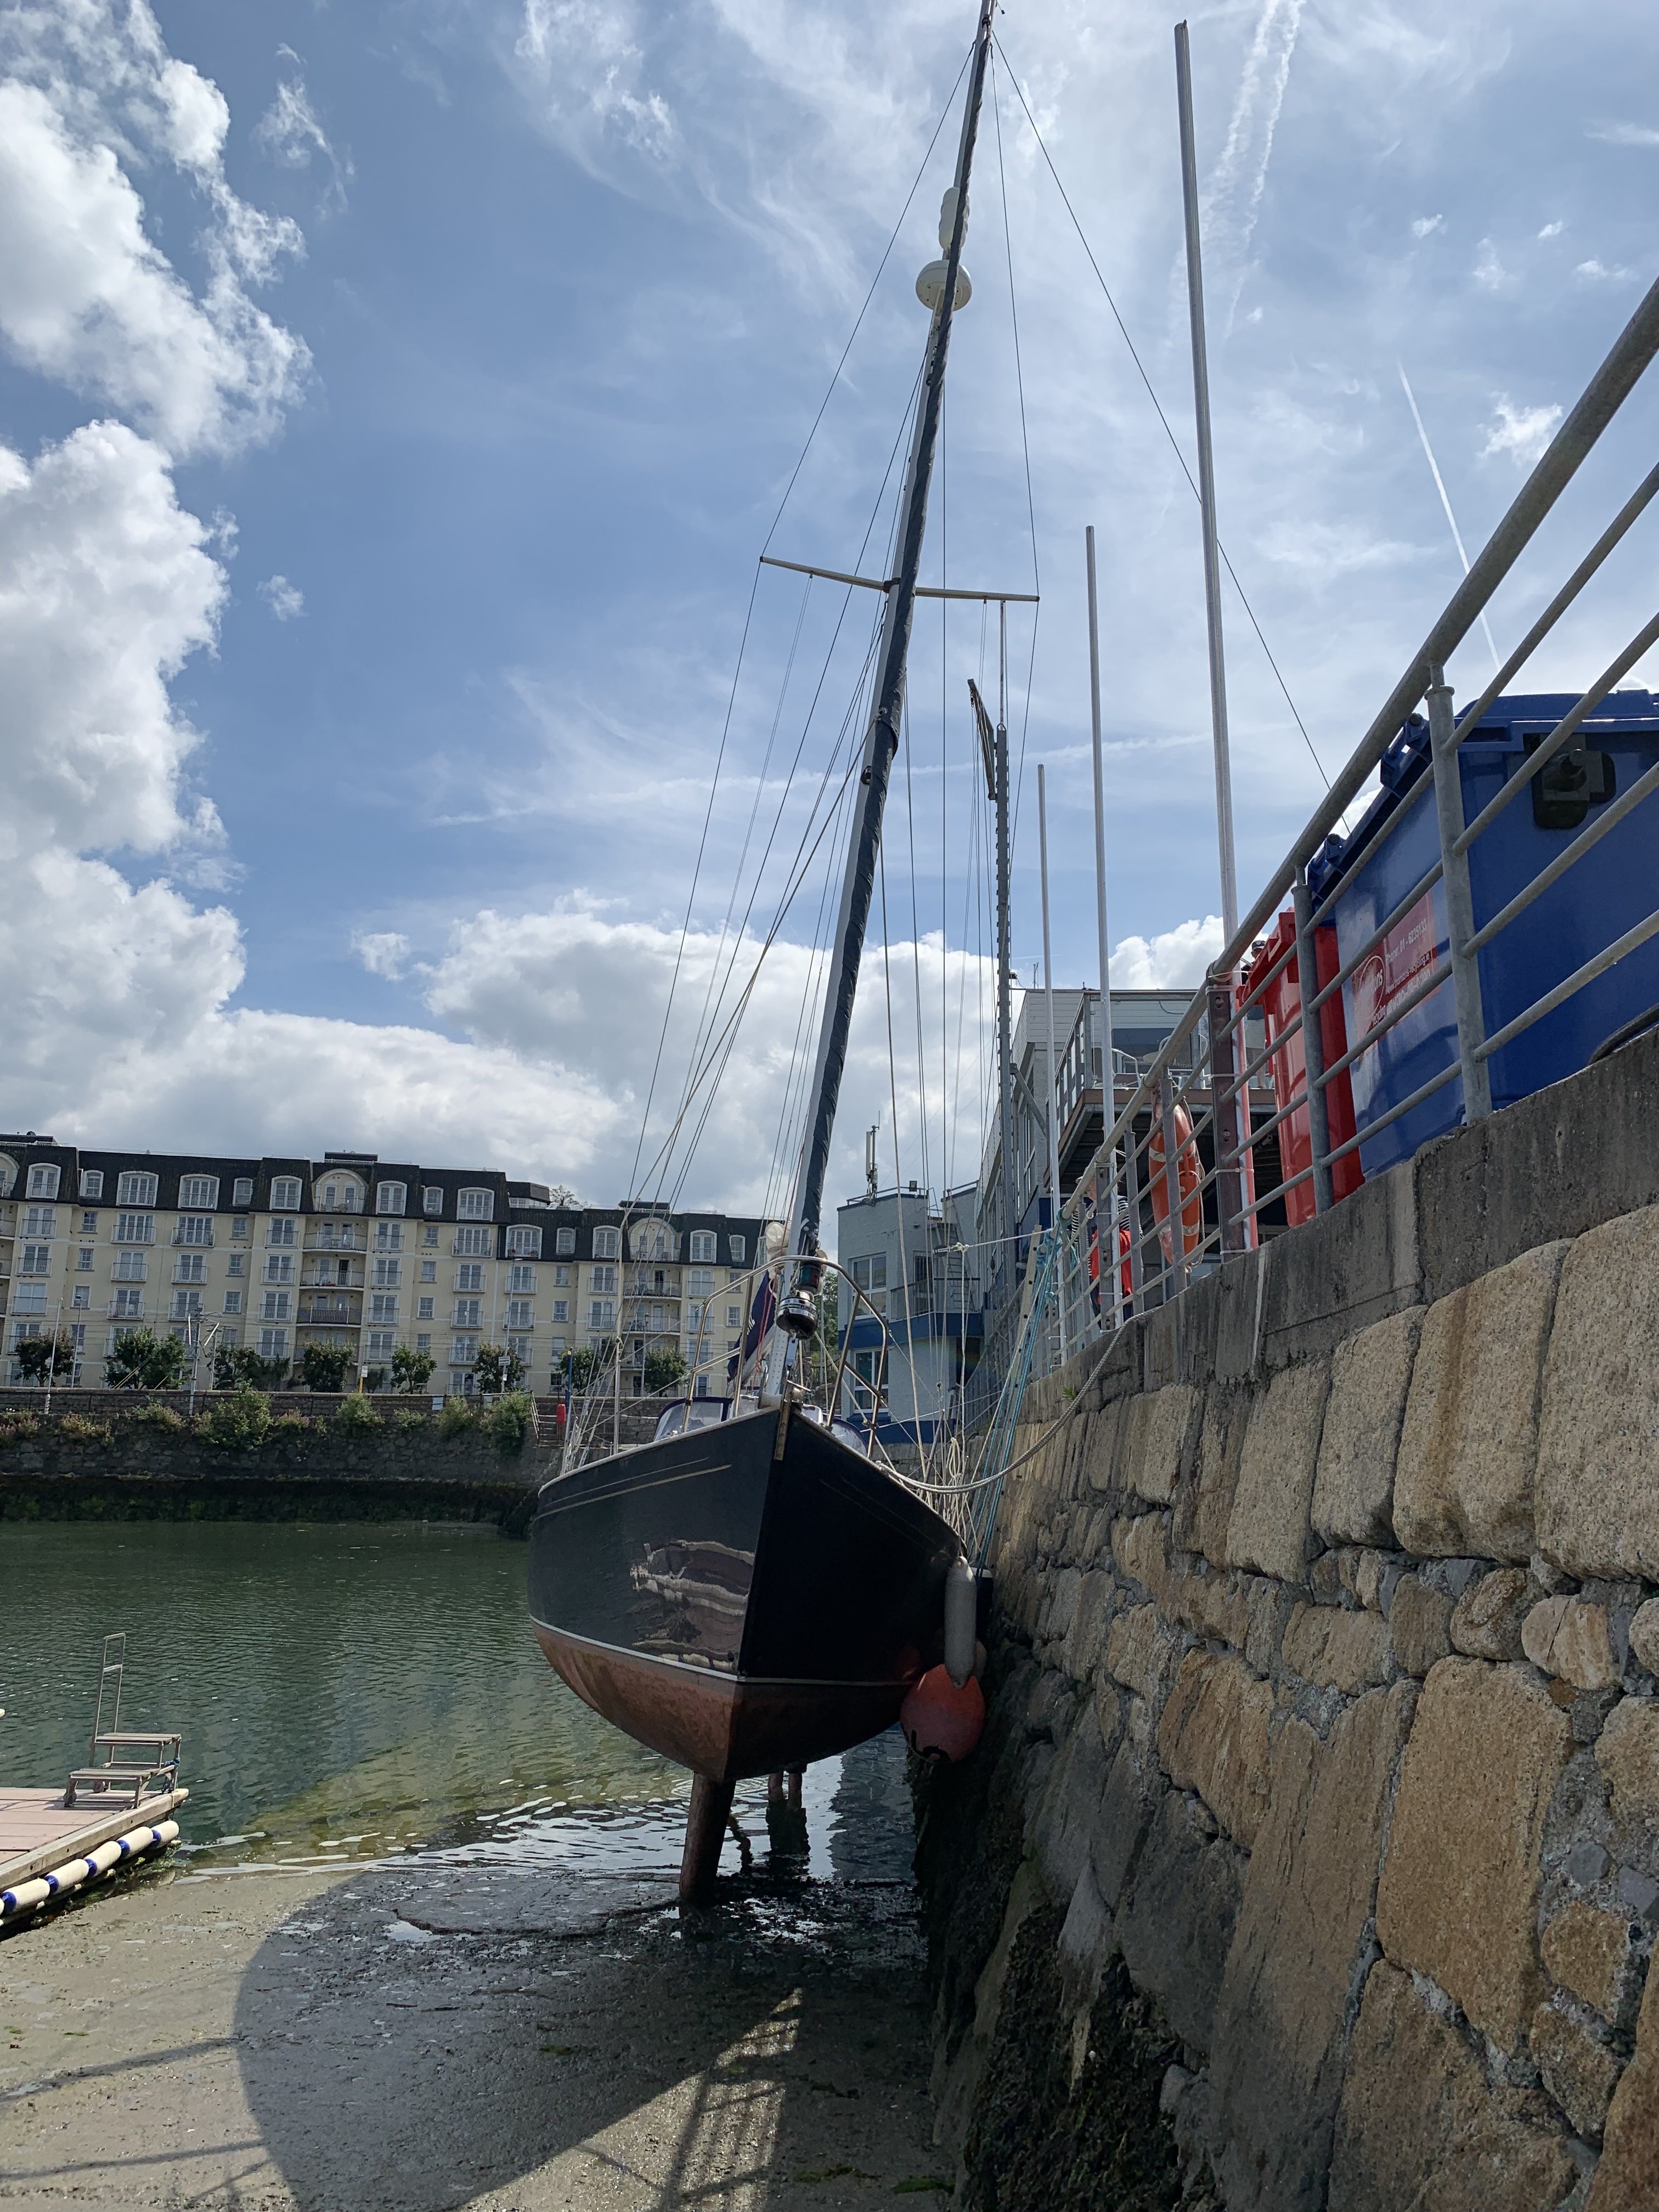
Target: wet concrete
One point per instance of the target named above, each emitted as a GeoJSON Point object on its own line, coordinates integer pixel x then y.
{"type": "Point", "coordinates": [441, 2036]}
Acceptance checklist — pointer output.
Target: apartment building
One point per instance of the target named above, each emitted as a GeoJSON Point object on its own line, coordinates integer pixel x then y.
{"type": "Point", "coordinates": [354, 1252]}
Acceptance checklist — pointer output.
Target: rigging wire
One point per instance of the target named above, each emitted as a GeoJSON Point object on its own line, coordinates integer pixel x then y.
{"type": "Point", "coordinates": [1158, 407]}
{"type": "Point", "coordinates": [737, 672]}
{"type": "Point", "coordinates": [915, 947]}
{"type": "Point", "coordinates": [1025, 448]}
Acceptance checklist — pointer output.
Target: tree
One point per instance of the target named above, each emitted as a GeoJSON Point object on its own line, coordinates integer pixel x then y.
{"type": "Point", "coordinates": [410, 1370]}
{"type": "Point", "coordinates": [590, 1362]}
{"type": "Point", "coordinates": [238, 1367]}
{"type": "Point", "coordinates": [143, 1361]}
{"type": "Point", "coordinates": [374, 1378]}
{"type": "Point", "coordinates": [496, 1370]}
{"type": "Point", "coordinates": [663, 1369]}
{"type": "Point", "coordinates": [39, 1356]}
{"type": "Point", "coordinates": [562, 1196]}
{"type": "Point", "coordinates": [323, 1365]}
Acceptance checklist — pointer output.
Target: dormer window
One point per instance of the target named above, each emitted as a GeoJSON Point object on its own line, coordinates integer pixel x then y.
{"type": "Point", "coordinates": [241, 1191]}
{"type": "Point", "coordinates": [135, 1188]}
{"type": "Point", "coordinates": [475, 1205]}
{"type": "Point", "coordinates": [432, 1199]}
{"type": "Point", "coordinates": [284, 1194]}
{"type": "Point", "coordinates": [92, 1182]}
{"type": "Point", "coordinates": [391, 1197]}
{"type": "Point", "coordinates": [44, 1179]}
{"type": "Point", "coordinates": [199, 1190]}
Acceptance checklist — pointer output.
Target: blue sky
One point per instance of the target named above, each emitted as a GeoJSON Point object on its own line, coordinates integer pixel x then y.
{"type": "Point", "coordinates": [397, 396]}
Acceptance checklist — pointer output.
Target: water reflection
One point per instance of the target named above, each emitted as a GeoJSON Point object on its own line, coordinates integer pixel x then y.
{"type": "Point", "coordinates": [364, 1692]}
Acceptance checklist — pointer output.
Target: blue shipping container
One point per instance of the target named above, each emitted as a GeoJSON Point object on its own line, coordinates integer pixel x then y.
{"type": "Point", "coordinates": [1612, 889]}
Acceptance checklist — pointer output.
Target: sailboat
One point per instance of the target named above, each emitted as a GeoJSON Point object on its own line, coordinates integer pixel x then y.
{"type": "Point", "coordinates": [751, 1595]}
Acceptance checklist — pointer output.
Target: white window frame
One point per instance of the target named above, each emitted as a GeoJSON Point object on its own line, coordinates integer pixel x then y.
{"type": "Point", "coordinates": [92, 1182]}
{"type": "Point", "coordinates": [390, 1198]}
{"type": "Point", "coordinates": [469, 1276]}
{"type": "Point", "coordinates": [702, 1248]}
{"type": "Point", "coordinates": [470, 1240]}
{"type": "Point", "coordinates": [134, 1229]}
{"type": "Point", "coordinates": [607, 1243]}
{"type": "Point", "coordinates": [524, 1243]}
{"type": "Point", "coordinates": [131, 1266]}
{"type": "Point", "coordinates": [738, 1247]}
{"type": "Point", "coordinates": [128, 1303]}
{"type": "Point", "coordinates": [469, 1313]}
{"type": "Point", "coordinates": [44, 1178]}
{"type": "Point", "coordinates": [136, 1187]}
{"type": "Point", "coordinates": [424, 1308]}
{"type": "Point", "coordinates": [522, 1279]}
{"type": "Point", "coordinates": [190, 1268]}
{"type": "Point", "coordinates": [383, 1306]}
{"type": "Point", "coordinates": [194, 1228]}
{"type": "Point", "coordinates": [432, 1199]}
{"type": "Point", "coordinates": [199, 1193]}
{"type": "Point", "coordinates": [388, 1236]}
{"type": "Point", "coordinates": [287, 1193]}
{"type": "Point", "coordinates": [564, 1244]}
{"type": "Point", "coordinates": [281, 1235]}
{"type": "Point", "coordinates": [475, 1205]}
{"type": "Point", "coordinates": [241, 1191]}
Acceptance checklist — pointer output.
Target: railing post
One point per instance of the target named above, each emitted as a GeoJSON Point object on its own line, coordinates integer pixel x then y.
{"type": "Point", "coordinates": [1459, 900]}
{"type": "Point", "coordinates": [1313, 1042]}
{"type": "Point", "coordinates": [1173, 1222]}
{"type": "Point", "coordinates": [1132, 1191]}
{"type": "Point", "coordinates": [1229, 1181]}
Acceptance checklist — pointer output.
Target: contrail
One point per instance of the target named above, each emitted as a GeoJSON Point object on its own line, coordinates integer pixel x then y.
{"type": "Point", "coordinates": [1440, 486]}
{"type": "Point", "coordinates": [1228, 207]}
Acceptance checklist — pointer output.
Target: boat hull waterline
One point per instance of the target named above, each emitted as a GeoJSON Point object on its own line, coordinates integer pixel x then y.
{"type": "Point", "coordinates": [746, 1599]}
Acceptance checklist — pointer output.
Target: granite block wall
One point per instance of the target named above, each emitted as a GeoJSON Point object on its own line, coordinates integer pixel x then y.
{"type": "Point", "coordinates": [1312, 1857]}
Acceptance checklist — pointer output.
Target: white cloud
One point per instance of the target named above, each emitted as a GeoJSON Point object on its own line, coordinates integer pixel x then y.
{"type": "Point", "coordinates": [284, 599]}
{"type": "Point", "coordinates": [1553, 229]}
{"type": "Point", "coordinates": [1597, 272]}
{"type": "Point", "coordinates": [86, 296]}
{"type": "Point", "coordinates": [291, 132]}
{"type": "Point", "coordinates": [584, 59]}
{"type": "Point", "coordinates": [383, 952]}
{"type": "Point", "coordinates": [1426, 224]}
{"type": "Point", "coordinates": [1522, 433]}
{"type": "Point", "coordinates": [1175, 959]}
{"type": "Point", "coordinates": [1489, 271]}
{"type": "Point", "coordinates": [1623, 134]}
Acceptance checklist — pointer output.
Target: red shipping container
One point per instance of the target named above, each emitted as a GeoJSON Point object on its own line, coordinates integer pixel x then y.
{"type": "Point", "coordinates": [1279, 1004]}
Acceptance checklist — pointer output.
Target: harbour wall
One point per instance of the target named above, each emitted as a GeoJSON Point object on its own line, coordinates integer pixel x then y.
{"type": "Point", "coordinates": [103, 1455]}
{"type": "Point", "coordinates": [1310, 1859]}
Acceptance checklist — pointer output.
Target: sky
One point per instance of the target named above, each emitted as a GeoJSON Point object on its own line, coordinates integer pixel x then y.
{"type": "Point", "coordinates": [401, 747]}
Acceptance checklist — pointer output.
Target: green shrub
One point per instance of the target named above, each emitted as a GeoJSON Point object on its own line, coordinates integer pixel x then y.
{"type": "Point", "coordinates": [409, 1422]}
{"type": "Point", "coordinates": [456, 1418]}
{"type": "Point", "coordinates": [236, 1419]}
{"type": "Point", "coordinates": [18, 1427]}
{"type": "Point", "coordinates": [507, 1422]}
{"type": "Point", "coordinates": [357, 1417]}
{"type": "Point", "coordinates": [324, 1366]}
{"type": "Point", "coordinates": [153, 1416]}
{"type": "Point", "coordinates": [410, 1370]}
{"type": "Point", "coordinates": [143, 1361]}
{"type": "Point", "coordinates": [290, 1425]}
{"type": "Point", "coordinates": [83, 1430]}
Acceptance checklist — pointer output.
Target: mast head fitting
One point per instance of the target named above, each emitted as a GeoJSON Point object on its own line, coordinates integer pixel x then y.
{"type": "Point", "coordinates": [798, 1317]}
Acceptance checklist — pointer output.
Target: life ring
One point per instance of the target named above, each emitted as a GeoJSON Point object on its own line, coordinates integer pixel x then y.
{"type": "Point", "coordinates": [1190, 1172]}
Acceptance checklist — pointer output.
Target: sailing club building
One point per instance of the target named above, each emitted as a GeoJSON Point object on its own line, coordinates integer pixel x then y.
{"type": "Point", "coordinates": [352, 1252]}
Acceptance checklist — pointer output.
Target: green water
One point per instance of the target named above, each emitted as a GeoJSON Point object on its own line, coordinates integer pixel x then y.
{"type": "Point", "coordinates": [358, 1691]}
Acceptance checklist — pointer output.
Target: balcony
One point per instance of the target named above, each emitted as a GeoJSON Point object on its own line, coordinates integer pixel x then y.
{"type": "Point", "coordinates": [331, 1308]}
{"type": "Point", "coordinates": [337, 1236]}
{"type": "Point", "coordinates": [337, 1275]}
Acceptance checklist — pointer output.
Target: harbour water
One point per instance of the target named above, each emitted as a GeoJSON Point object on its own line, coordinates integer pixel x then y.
{"type": "Point", "coordinates": [352, 1692]}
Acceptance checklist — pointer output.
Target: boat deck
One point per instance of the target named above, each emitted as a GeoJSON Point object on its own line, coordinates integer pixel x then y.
{"type": "Point", "coordinates": [39, 1832]}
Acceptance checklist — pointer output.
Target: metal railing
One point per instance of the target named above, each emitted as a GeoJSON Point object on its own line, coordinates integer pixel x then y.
{"type": "Point", "coordinates": [1173, 1188]}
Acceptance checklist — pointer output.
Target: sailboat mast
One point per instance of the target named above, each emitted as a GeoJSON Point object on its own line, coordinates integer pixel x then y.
{"type": "Point", "coordinates": [882, 738]}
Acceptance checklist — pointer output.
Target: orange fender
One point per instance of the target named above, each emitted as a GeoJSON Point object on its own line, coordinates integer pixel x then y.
{"type": "Point", "coordinates": [1189, 1173]}
{"type": "Point", "coordinates": [940, 1721]}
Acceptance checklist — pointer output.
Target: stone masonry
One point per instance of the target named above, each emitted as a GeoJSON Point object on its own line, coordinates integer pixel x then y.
{"type": "Point", "coordinates": [1310, 1861]}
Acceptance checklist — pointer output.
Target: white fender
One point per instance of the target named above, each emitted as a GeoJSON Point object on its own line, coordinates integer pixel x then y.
{"type": "Point", "coordinates": [960, 1621]}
